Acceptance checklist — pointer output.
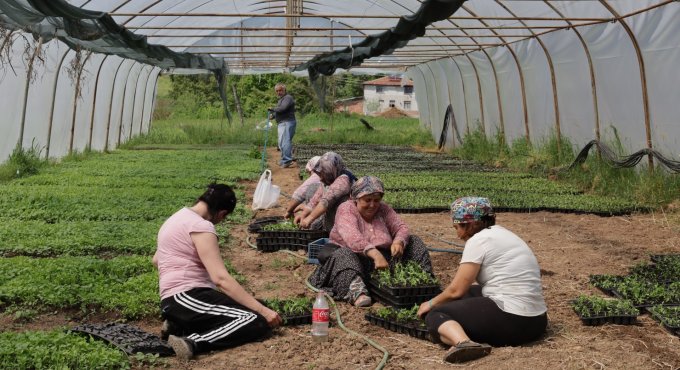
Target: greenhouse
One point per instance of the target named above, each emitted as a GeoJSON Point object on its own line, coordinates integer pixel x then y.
{"type": "Point", "coordinates": [117, 113]}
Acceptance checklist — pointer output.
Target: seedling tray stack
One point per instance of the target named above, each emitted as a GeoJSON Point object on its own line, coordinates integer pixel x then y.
{"type": "Point", "coordinates": [402, 297]}
{"type": "Point", "coordinates": [271, 241]}
{"type": "Point", "coordinates": [415, 329]}
{"type": "Point", "coordinates": [599, 320]}
{"type": "Point", "coordinates": [130, 339]}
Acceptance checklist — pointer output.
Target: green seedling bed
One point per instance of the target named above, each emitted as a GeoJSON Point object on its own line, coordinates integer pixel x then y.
{"type": "Point", "coordinates": [415, 329]}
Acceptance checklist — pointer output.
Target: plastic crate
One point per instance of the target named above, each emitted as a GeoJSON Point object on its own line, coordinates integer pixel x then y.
{"type": "Point", "coordinates": [313, 250]}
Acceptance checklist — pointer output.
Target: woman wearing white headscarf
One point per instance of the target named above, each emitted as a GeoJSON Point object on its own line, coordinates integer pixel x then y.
{"type": "Point", "coordinates": [304, 193]}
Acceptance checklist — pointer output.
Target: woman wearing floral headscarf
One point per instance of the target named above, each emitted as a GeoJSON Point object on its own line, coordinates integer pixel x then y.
{"type": "Point", "coordinates": [337, 181]}
{"type": "Point", "coordinates": [371, 236]}
{"type": "Point", "coordinates": [506, 308]}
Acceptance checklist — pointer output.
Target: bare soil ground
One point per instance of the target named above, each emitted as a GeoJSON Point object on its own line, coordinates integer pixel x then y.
{"type": "Point", "coordinates": [569, 248]}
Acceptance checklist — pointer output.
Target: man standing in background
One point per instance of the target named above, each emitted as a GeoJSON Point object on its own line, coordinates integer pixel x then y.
{"type": "Point", "coordinates": [284, 113]}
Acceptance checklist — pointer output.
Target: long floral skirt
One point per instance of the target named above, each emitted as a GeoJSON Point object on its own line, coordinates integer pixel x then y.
{"type": "Point", "coordinates": [344, 273]}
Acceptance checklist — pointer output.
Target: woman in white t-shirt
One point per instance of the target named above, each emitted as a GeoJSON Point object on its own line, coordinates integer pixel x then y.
{"type": "Point", "coordinates": [200, 318]}
{"type": "Point", "coordinates": [507, 305]}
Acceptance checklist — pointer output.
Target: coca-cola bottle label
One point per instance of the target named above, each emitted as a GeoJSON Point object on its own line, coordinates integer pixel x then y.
{"type": "Point", "coordinates": [320, 314]}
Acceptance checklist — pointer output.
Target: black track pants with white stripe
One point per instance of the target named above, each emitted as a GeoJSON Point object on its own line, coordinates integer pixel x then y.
{"type": "Point", "coordinates": [212, 320]}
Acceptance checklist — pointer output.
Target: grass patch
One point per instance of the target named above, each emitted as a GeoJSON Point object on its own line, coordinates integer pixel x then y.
{"type": "Point", "coordinates": [21, 163]}
{"type": "Point", "coordinates": [638, 185]}
{"type": "Point", "coordinates": [313, 128]}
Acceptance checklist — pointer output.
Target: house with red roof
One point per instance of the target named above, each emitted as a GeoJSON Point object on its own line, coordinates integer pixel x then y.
{"type": "Point", "coordinates": [388, 92]}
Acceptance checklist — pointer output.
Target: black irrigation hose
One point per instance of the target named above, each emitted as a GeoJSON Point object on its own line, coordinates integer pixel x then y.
{"type": "Point", "coordinates": [626, 162]}
{"type": "Point", "coordinates": [447, 250]}
{"type": "Point", "coordinates": [445, 127]}
{"type": "Point", "coordinates": [449, 119]}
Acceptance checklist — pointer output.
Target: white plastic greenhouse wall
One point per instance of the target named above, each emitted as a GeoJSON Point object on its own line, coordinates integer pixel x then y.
{"type": "Point", "coordinates": [603, 92]}
{"type": "Point", "coordinates": [115, 103]}
{"type": "Point", "coordinates": [597, 81]}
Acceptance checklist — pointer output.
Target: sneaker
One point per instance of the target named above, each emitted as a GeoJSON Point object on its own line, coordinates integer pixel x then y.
{"type": "Point", "coordinates": [168, 328]}
{"type": "Point", "coordinates": [286, 165]}
{"type": "Point", "coordinates": [183, 349]}
{"type": "Point", "coordinates": [363, 301]}
{"type": "Point", "coordinates": [466, 351]}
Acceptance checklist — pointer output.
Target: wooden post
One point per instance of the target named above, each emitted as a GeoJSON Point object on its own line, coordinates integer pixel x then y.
{"type": "Point", "coordinates": [237, 101]}
{"type": "Point", "coordinates": [20, 143]}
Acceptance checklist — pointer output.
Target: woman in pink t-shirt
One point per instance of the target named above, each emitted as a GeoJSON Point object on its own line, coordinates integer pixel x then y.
{"type": "Point", "coordinates": [199, 317]}
{"type": "Point", "coordinates": [370, 235]}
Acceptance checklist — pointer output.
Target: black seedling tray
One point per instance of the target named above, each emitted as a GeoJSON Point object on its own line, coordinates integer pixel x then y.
{"type": "Point", "coordinates": [399, 301]}
{"type": "Point", "coordinates": [275, 244]}
{"type": "Point", "coordinates": [599, 320]}
{"type": "Point", "coordinates": [671, 328]}
{"type": "Point", "coordinates": [405, 291]}
{"type": "Point", "coordinates": [305, 319]}
{"type": "Point", "coordinates": [413, 329]}
{"type": "Point", "coordinates": [645, 304]}
{"type": "Point", "coordinates": [256, 226]}
{"type": "Point", "coordinates": [127, 338]}
{"type": "Point", "coordinates": [608, 292]}
{"type": "Point", "coordinates": [619, 319]}
{"type": "Point", "coordinates": [307, 236]}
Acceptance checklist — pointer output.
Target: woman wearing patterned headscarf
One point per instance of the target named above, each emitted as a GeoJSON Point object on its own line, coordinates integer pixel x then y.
{"type": "Point", "coordinates": [506, 308]}
{"type": "Point", "coordinates": [370, 235]}
{"type": "Point", "coordinates": [337, 181]}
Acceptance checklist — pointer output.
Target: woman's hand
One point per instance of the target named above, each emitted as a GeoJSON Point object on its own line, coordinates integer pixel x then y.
{"type": "Point", "coordinates": [378, 259]}
{"type": "Point", "coordinates": [397, 249]}
{"type": "Point", "coordinates": [272, 317]}
{"type": "Point", "coordinates": [424, 308]}
{"type": "Point", "coordinates": [306, 223]}
{"type": "Point", "coordinates": [301, 214]}
{"type": "Point", "coordinates": [298, 218]}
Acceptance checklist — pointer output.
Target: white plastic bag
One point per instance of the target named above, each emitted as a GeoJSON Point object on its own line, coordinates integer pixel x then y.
{"type": "Point", "coordinates": [266, 194]}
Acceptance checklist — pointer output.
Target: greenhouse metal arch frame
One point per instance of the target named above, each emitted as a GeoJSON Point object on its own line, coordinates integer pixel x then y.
{"type": "Point", "coordinates": [581, 70]}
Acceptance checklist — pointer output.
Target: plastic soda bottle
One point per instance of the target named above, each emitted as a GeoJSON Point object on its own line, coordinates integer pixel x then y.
{"type": "Point", "coordinates": [320, 316]}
